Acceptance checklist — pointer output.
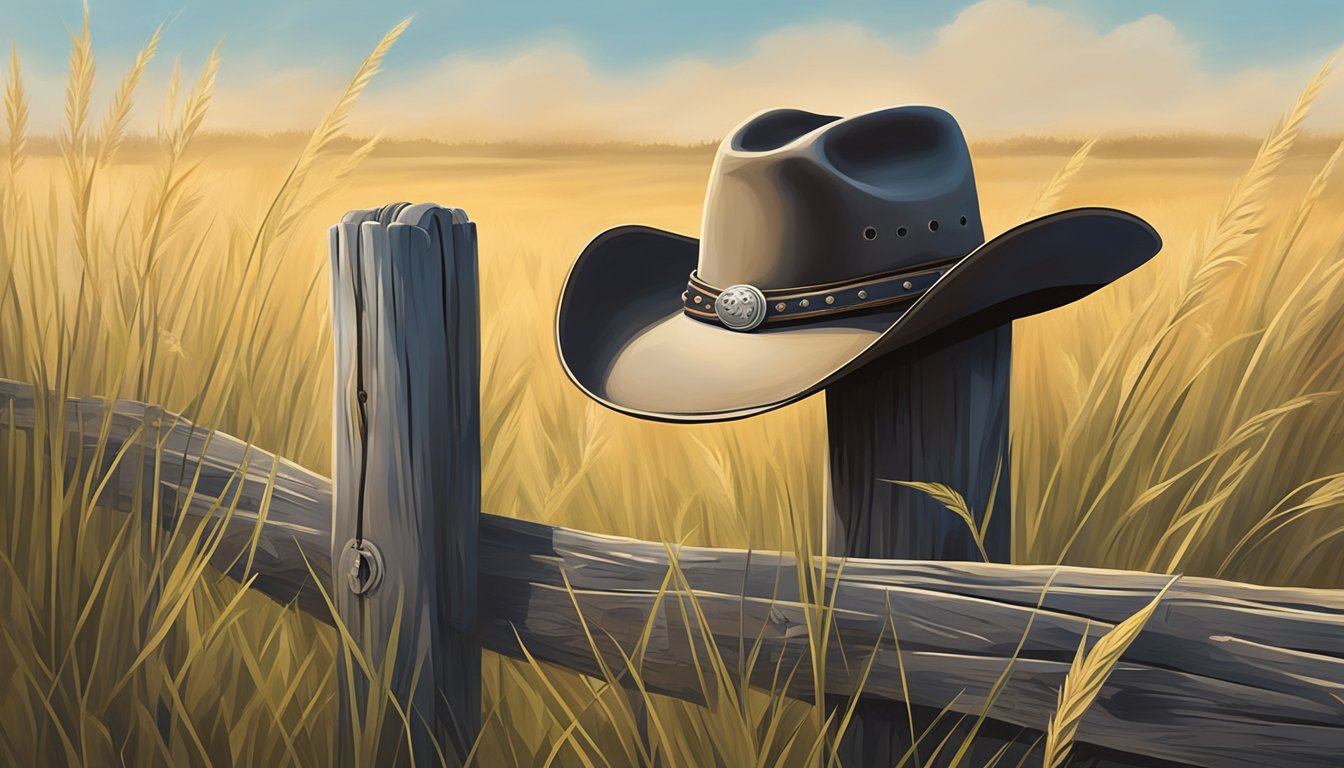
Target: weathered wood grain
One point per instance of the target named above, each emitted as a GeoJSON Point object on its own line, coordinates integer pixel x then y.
{"type": "Point", "coordinates": [407, 463]}
{"type": "Point", "coordinates": [1233, 710]}
{"type": "Point", "coordinates": [197, 466]}
{"type": "Point", "coordinates": [936, 412]}
{"type": "Point", "coordinates": [1225, 674]}
{"type": "Point", "coordinates": [933, 412]}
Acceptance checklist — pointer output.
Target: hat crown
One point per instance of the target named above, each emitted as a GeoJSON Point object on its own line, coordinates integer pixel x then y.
{"type": "Point", "coordinates": [797, 198]}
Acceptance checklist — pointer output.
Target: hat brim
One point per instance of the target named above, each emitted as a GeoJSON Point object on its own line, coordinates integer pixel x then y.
{"type": "Point", "coordinates": [625, 341]}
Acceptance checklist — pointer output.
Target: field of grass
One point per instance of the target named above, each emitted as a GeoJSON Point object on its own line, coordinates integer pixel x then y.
{"type": "Point", "coordinates": [1187, 419]}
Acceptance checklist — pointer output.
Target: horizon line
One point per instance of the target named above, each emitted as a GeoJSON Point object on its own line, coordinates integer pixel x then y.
{"type": "Point", "coordinates": [47, 144]}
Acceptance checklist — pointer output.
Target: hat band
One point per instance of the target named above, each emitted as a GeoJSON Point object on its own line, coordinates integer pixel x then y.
{"type": "Point", "coordinates": [745, 307]}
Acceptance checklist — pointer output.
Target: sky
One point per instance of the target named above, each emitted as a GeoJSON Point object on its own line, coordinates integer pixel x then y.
{"type": "Point", "coordinates": [691, 70]}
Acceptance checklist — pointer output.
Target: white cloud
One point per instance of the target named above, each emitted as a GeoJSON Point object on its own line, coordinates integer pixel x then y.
{"type": "Point", "coordinates": [1004, 67]}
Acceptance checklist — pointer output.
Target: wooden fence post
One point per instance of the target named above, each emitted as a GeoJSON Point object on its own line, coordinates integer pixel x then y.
{"type": "Point", "coordinates": [406, 487]}
{"type": "Point", "coordinates": [935, 412]}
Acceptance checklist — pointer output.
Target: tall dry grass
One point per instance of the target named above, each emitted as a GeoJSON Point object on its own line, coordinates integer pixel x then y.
{"type": "Point", "coordinates": [119, 646]}
{"type": "Point", "coordinates": [1180, 425]}
{"type": "Point", "coordinates": [1086, 677]}
{"type": "Point", "coordinates": [1210, 406]}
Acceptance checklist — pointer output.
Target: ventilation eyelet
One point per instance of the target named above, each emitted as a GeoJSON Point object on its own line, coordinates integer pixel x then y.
{"type": "Point", "coordinates": [963, 221]}
{"type": "Point", "coordinates": [870, 233]}
{"type": "Point", "coordinates": [933, 225]}
{"type": "Point", "coordinates": [902, 231]}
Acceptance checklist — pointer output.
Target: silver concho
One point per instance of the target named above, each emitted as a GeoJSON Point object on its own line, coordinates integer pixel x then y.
{"type": "Point", "coordinates": [741, 307]}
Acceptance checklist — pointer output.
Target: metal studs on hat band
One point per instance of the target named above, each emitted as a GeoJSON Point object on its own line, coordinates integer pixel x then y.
{"type": "Point", "coordinates": [744, 307]}
{"type": "Point", "coordinates": [741, 307]}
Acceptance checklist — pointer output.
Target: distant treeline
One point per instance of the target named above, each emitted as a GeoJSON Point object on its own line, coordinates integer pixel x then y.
{"type": "Point", "coordinates": [1157, 146]}
{"type": "Point", "coordinates": [1169, 145]}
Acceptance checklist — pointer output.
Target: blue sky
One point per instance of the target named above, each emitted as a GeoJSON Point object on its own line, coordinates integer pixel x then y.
{"type": "Point", "coordinates": [283, 44]}
{"type": "Point", "coordinates": [619, 34]}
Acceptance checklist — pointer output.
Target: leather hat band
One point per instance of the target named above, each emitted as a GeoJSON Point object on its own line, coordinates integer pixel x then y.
{"type": "Point", "coordinates": [745, 307]}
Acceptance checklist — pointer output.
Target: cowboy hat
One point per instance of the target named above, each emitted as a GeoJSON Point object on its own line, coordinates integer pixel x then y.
{"type": "Point", "coordinates": [825, 243]}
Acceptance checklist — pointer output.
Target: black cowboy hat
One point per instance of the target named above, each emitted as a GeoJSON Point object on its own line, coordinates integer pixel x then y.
{"type": "Point", "coordinates": [825, 243]}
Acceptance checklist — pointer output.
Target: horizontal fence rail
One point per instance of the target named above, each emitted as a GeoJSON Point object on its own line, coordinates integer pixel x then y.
{"type": "Point", "coordinates": [1225, 674]}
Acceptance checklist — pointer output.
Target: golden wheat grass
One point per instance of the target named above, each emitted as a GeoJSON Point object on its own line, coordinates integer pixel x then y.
{"type": "Point", "coordinates": [1086, 677]}
{"type": "Point", "coordinates": [16, 116]}
{"type": "Point", "coordinates": [1138, 415]}
{"type": "Point", "coordinates": [956, 504]}
{"type": "Point", "coordinates": [1048, 199]}
{"type": "Point", "coordinates": [125, 630]}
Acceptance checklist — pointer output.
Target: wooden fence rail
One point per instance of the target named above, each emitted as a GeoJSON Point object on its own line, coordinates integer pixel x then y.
{"type": "Point", "coordinates": [1225, 674]}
